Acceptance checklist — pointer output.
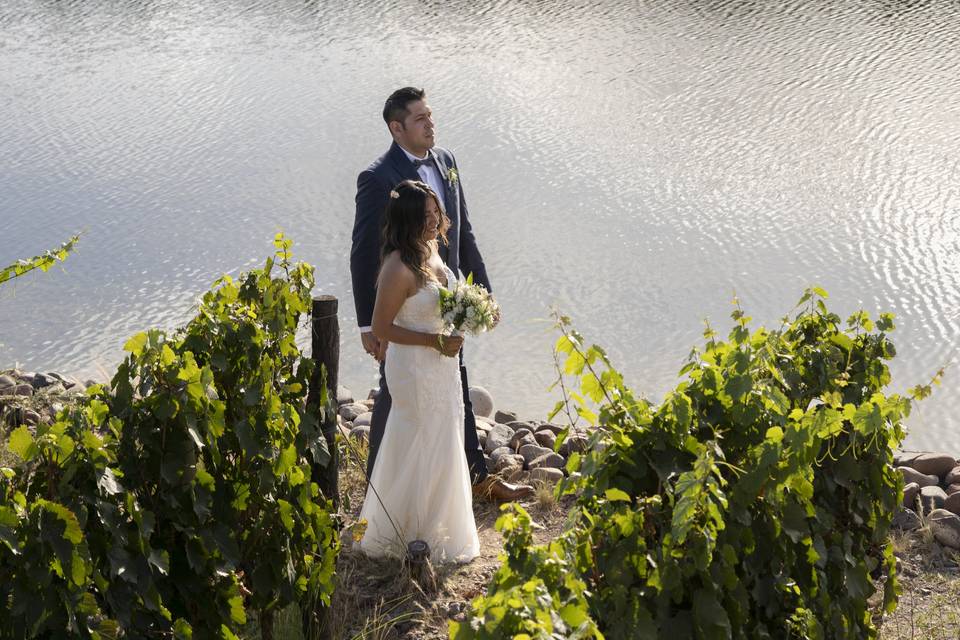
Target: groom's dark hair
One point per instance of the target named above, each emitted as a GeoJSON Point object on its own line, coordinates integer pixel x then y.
{"type": "Point", "coordinates": [395, 109]}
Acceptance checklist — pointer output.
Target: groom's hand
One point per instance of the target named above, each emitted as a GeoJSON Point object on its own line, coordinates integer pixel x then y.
{"type": "Point", "coordinates": [370, 344]}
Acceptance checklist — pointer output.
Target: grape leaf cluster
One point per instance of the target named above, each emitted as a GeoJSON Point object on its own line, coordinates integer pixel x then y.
{"type": "Point", "coordinates": [753, 501]}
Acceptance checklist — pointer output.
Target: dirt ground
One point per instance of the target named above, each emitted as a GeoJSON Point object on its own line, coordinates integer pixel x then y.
{"type": "Point", "coordinates": [929, 606]}
{"type": "Point", "coordinates": [381, 600]}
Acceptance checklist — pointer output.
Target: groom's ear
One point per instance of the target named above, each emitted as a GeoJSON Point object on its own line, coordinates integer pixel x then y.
{"type": "Point", "coordinates": [396, 127]}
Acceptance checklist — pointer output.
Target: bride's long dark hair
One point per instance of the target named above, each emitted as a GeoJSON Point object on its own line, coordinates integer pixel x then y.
{"type": "Point", "coordinates": [404, 224]}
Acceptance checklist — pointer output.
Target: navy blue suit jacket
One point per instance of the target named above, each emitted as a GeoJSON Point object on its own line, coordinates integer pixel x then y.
{"type": "Point", "coordinates": [373, 192]}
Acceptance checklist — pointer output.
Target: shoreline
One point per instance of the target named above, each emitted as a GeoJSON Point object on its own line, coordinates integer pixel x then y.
{"type": "Point", "coordinates": [925, 535]}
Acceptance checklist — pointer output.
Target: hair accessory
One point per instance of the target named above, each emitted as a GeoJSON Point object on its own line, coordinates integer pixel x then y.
{"type": "Point", "coordinates": [393, 194]}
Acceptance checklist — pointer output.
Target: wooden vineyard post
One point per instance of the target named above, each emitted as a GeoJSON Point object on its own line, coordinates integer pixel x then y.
{"type": "Point", "coordinates": [326, 353]}
{"type": "Point", "coordinates": [325, 345]}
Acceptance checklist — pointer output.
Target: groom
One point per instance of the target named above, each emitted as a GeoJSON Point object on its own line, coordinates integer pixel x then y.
{"type": "Point", "coordinates": [412, 156]}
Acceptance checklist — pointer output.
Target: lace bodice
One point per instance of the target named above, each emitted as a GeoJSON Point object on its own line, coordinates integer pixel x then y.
{"type": "Point", "coordinates": [420, 312]}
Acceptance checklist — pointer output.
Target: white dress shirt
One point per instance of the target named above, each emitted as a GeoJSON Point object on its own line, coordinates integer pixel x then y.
{"type": "Point", "coordinates": [429, 174]}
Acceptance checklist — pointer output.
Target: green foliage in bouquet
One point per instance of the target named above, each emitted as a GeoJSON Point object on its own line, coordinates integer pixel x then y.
{"type": "Point", "coordinates": [182, 496]}
{"type": "Point", "coordinates": [753, 502]}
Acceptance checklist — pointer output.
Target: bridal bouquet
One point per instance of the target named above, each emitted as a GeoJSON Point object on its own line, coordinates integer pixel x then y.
{"type": "Point", "coordinates": [468, 307]}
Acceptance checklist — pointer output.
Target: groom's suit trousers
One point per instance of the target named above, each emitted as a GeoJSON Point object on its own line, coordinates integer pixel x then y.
{"type": "Point", "coordinates": [378, 423]}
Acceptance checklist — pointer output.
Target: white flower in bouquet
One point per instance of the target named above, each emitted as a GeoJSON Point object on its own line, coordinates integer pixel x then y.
{"type": "Point", "coordinates": [466, 307]}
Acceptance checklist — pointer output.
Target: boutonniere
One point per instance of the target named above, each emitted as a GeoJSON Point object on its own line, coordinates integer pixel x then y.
{"type": "Point", "coordinates": [452, 176]}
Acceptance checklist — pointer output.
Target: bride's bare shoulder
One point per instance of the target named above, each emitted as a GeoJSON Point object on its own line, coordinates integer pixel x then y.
{"type": "Point", "coordinates": [394, 272]}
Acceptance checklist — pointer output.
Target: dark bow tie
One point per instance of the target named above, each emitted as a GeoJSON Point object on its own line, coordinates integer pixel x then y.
{"type": "Point", "coordinates": [426, 162]}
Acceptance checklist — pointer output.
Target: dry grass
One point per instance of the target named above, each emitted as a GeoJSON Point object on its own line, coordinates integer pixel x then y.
{"type": "Point", "coordinates": [929, 607]}
{"type": "Point", "coordinates": [544, 496]}
{"type": "Point", "coordinates": [7, 459]}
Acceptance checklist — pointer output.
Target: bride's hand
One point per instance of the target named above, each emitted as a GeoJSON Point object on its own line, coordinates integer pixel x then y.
{"type": "Point", "coordinates": [448, 345]}
{"type": "Point", "coordinates": [381, 353]}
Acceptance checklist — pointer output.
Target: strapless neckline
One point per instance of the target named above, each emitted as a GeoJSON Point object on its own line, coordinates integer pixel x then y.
{"type": "Point", "coordinates": [449, 275]}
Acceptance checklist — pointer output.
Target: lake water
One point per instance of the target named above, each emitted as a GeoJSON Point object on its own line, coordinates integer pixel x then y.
{"type": "Point", "coordinates": [633, 163]}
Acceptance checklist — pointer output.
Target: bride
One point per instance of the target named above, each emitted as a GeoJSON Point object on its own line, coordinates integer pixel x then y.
{"type": "Point", "coordinates": [420, 486]}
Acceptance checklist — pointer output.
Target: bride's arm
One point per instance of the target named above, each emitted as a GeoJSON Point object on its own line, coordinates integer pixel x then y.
{"type": "Point", "coordinates": [396, 284]}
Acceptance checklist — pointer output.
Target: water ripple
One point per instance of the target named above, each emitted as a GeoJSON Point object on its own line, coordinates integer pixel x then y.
{"type": "Point", "coordinates": [635, 164]}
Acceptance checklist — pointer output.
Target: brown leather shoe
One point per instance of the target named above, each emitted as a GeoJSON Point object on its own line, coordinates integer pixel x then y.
{"type": "Point", "coordinates": [494, 489]}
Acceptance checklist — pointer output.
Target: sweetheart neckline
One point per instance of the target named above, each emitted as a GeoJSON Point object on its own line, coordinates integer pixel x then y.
{"type": "Point", "coordinates": [437, 282]}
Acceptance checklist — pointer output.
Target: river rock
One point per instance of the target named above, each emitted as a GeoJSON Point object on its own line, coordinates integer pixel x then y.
{"type": "Point", "coordinates": [952, 503]}
{"type": "Point", "coordinates": [78, 389]}
{"type": "Point", "coordinates": [945, 527]}
{"type": "Point", "coordinates": [499, 452]}
{"type": "Point", "coordinates": [555, 428]}
{"type": "Point", "coordinates": [933, 464]}
{"type": "Point", "coordinates": [499, 436]}
{"type": "Point", "coordinates": [574, 443]}
{"type": "Point", "coordinates": [482, 438]}
{"type": "Point", "coordinates": [550, 460]}
{"type": "Point", "coordinates": [72, 383]}
{"type": "Point", "coordinates": [23, 390]}
{"type": "Point", "coordinates": [546, 438]}
{"type": "Point", "coordinates": [523, 424]}
{"type": "Point", "coordinates": [30, 417]}
{"type": "Point", "coordinates": [373, 393]}
{"type": "Point", "coordinates": [363, 420]}
{"type": "Point", "coordinates": [906, 520]}
{"type": "Point", "coordinates": [484, 426]}
{"type": "Point", "coordinates": [547, 475]}
{"type": "Point", "coordinates": [42, 380]}
{"type": "Point", "coordinates": [953, 488]}
{"type": "Point", "coordinates": [912, 475]}
{"type": "Point", "coordinates": [910, 495]}
{"type": "Point", "coordinates": [6, 382]}
{"type": "Point", "coordinates": [903, 459]}
{"type": "Point", "coordinates": [952, 476]}
{"type": "Point", "coordinates": [520, 438]}
{"type": "Point", "coordinates": [481, 400]}
{"type": "Point", "coordinates": [362, 432]}
{"type": "Point", "coordinates": [504, 417]}
{"type": "Point", "coordinates": [531, 452]}
{"type": "Point", "coordinates": [489, 462]}
{"type": "Point", "coordinates": [344, 395]}
{"type": "Point", "coordinates": [507, 462]}
{"type": "Point", "coordinates": [485, 420]}
{"type": "Point", "coordinates": [351, 410]}
{"type": "Point", "coordinates": [54, 389]}
{"type": "Point", "coordinates": [932, 498]}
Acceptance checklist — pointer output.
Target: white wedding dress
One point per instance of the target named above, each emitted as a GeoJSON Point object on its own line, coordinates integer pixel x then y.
{"type": "Point", "coordinates": [420, 487]}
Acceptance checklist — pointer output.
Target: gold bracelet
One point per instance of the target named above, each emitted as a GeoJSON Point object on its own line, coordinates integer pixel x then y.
{"type": "Point", "coordinates": [440, 342]}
